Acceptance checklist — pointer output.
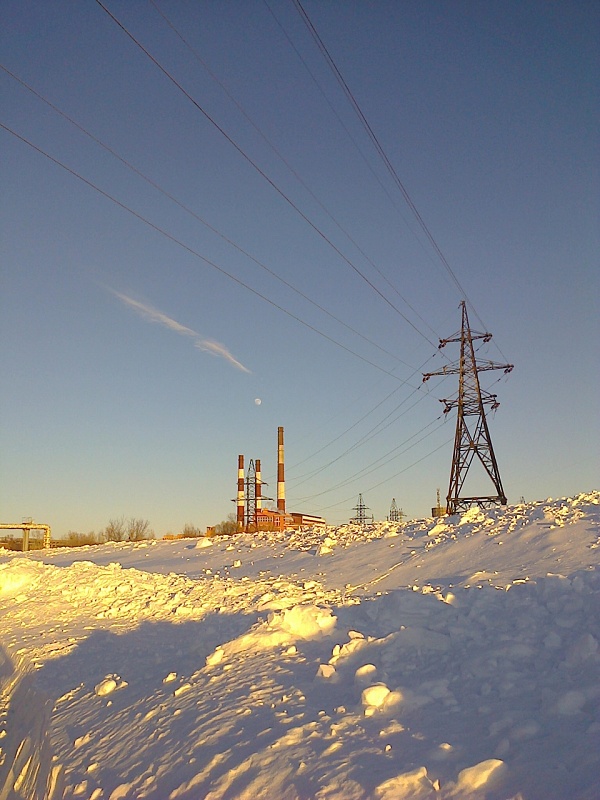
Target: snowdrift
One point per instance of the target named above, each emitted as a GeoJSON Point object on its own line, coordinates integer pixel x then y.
{"type": "Point", "coordinates": [452, 658]}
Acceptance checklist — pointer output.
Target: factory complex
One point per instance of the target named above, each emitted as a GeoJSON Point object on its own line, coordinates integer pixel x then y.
{"type": "Point", "coordinates": [250, 515]}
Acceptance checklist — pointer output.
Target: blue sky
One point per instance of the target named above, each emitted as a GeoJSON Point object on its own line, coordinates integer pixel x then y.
{"type": "Point", "coordinates": [131, 364]}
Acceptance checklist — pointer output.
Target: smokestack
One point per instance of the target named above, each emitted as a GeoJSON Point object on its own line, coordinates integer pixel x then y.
{"type": "Point", "coordinates": [240, 493]}
{"type": "Point", "coordinates": [258, 487]}
{"type": "Point", "coordinates": [280, 477]}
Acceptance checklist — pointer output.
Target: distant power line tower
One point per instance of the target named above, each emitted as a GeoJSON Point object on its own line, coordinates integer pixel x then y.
{"type": "Point", "coordinates": [361, 512]}
{"type": "Point", "coordinates": [251, 497]}
{"type": "Point", "coordinates": [396, 514]}
{"type": "Point", "coordinates": [472, 436]}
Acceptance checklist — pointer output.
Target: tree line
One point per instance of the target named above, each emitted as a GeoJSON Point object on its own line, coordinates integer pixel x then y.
{"type": "Point", "coordinates": [122, 529]}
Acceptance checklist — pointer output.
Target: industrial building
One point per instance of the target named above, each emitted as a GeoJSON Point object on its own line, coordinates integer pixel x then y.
{"type": "Point", "coordinates": [251, 516]}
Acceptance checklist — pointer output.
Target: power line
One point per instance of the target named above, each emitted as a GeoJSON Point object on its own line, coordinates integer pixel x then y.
{"type": "Point", "coordinates": [258, 169]}
{"type": "Point", "coordinates": [364, 416]}
{"type": "Point", "coordinates": [196, 216]}
{"type": "Point", "coordinates": [364, 158]}
{"type": "Point", "coordinates": [261, 172]}
{"type": "Point", "coordinates": [190, 250]}
{"type": "Point", "coordinates": [390, 478]}
{"type": "Point", "coordinates": [363, 440]}
{"type": "Point", "coordinates": [378, 147]}
{"type": "Point", "coordinates": [373, 466]}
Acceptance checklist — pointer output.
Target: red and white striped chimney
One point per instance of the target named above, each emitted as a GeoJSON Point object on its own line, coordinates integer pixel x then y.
{"type": "Point", "coordinates": [240, 493]}
{"type": "Point", "coordinates": [258, 487]}
{"type": "Point", "coordinates": [280, 472]}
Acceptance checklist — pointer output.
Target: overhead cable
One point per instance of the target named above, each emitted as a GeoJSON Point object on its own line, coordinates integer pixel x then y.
{"type": "Point", "coordinates": [373, 137]}
{"type": "Point", "coordinates": [374, 466]}
{"type": "Point", "coordinates": [281, 157]}
{"type": "Point", "coordinates": [191, 250]}
{"type": "Point", "coordinates": [197, 217]}
{"type": "Point", "coordinates": [260, 171]}
{"type": "Point", "coordinates": [386, 480]}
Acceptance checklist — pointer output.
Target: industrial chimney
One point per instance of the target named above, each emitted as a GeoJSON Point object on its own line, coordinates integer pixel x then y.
{"type": "Point", "coordinates": [258, 487]}
{"type": "Point", "coordinates": [280, 477]}
{"type": "Point", "coordinates": [240, 493]}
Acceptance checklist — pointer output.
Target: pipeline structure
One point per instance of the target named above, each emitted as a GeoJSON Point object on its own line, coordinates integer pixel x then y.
{"type": "Point", "coordinates": [26, 527]}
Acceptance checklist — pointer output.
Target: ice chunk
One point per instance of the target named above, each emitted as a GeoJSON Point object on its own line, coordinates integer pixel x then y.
{"type": "Point", "coordinates": [215, 657]}
{"type": "Point", "coordinates": [414, 784]}
{"type": "Point", "coordinates": [326, 671]}
{"type": "Point", "coordinates": [306, 622]}
{"type": "Point", "coordinates": [108, 685]}
{"type": "Point", "coordinates": [365, 675]}
{"type": "Point", "coordinates": [486, 774]}
{"type": "Point", "coordinates": [374, 695]}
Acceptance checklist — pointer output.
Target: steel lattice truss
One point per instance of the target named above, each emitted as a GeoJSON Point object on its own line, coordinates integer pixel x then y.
{"type": "Point", "coordinates": [361, 512]}
{"type": "Point", "coordinates": [472, 438]}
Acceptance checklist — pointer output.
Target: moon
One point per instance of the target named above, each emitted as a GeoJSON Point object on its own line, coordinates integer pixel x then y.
{"type": "Point", "coordinates": [258, 401]}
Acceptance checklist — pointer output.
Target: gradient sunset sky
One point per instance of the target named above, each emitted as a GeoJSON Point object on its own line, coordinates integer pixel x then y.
{"type": "Point", "coordinates": [191, 229]}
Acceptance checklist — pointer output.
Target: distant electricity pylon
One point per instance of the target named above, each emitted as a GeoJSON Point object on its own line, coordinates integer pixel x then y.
{"type": "Point", "coordinates": [472, 436]}
{"type": "Point", "coordinates": [396, 514]}
{"type": "Point", "coordinates": [361, 512]}
{"type": "Point", "coordinates": [250, 497]}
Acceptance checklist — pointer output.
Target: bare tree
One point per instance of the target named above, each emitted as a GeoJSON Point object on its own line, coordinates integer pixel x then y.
{"type": "Point", "coordinates": [227, 527]}
{"type": "Point", "coordinates": [75, 539]}
{"type": "Point", "coordinates": [190, 531]}
{"type": "Point", "coordinates": [138, 529]}
{"type": "Point", "coordinates": [116, 530]}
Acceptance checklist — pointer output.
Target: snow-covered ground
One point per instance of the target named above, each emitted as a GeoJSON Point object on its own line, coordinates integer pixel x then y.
{"type": "Point", "coordinates": [448, 659]}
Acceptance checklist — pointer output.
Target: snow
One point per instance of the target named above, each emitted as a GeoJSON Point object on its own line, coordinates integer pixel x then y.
{"type": "Point", "coordinates": [454, 658]}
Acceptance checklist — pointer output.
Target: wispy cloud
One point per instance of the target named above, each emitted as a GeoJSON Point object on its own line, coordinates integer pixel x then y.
{"type": "Point", "coordinates": [218, 349]}
{"type": "Point", "coordinates": [154, 315]}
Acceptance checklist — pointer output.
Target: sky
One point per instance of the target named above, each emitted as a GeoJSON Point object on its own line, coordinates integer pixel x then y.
{"type": "Point", "coordinates": [198, 221]}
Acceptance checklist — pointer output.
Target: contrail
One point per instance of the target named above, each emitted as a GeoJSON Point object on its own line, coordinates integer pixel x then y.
{"type": "Point", "coordinates": [154, 315]}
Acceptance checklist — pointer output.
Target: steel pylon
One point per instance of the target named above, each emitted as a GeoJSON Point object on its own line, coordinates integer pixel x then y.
{"type": "Point", "coordinates": [472, 436]}
{"type": "Point", "coordinates": [250, 497]}
{"type": "Point", "coordinates": [361, 512]}
{"type": "Point", "coordinates": [396, 514]}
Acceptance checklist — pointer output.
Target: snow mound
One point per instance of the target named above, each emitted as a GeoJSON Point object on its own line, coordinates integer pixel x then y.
{"type": "Point", "coordinates": [304, 622]}
{"type": "Point", "coordinates": [20, 574]}
{"type": "Point", "coordinates": [453, 659]}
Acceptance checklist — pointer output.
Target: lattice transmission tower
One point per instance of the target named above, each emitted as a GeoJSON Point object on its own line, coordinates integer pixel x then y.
{"type": "Point", "coordinates": [396, 514]}
{"type": "Point", "coordinates": [361, 512]}
{"type": "Point", "coordinates": [253, 495]}
{"type": "Point", "coordinates": [472, 436]}
{"type": "Point", "coordinates": [250, 497]}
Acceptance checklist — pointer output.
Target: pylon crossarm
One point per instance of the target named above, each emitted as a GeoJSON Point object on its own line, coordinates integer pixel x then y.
{"type": "Point", "coordinates": [455, 369]}
{"type": "Point", "coordinates": [486, 366]}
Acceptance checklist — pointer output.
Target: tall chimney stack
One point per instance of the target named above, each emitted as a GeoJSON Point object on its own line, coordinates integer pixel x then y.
{"type": "Point", "coordinates": [280, 475]}
{"type": "Point", "coordinates": [240, 493]}
{"type": "Point", "coordinates": [258, 487]}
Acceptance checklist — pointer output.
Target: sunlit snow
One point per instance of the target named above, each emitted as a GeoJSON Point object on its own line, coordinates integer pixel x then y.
{"type": "Point", "coordinates": [453, 658]}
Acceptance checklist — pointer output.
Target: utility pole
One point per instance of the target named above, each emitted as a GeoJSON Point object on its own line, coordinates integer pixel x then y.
{"type": "Point", "coordinates": [361, 512]}
{"type": "Point", "coordinates": [472, 436]}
